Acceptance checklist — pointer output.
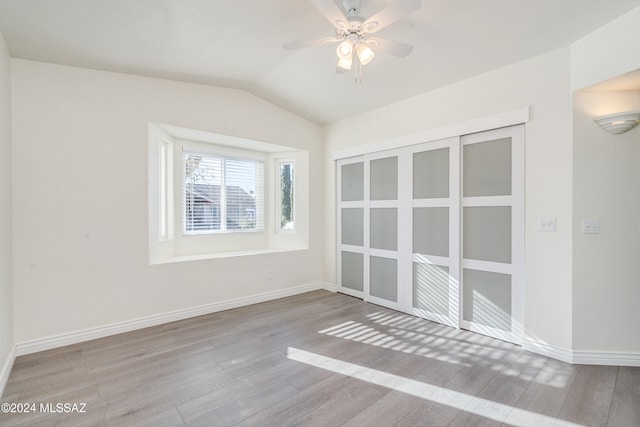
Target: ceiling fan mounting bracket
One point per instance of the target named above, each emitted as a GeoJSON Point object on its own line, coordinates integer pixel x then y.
{"type": "Point", "coordinates": [351, 6]}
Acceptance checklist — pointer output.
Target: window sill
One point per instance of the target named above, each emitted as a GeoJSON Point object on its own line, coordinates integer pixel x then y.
{"type": "Point", "coordinates": [199, 257]}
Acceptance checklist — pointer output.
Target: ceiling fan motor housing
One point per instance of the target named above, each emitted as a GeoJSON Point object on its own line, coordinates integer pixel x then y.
{"type": "Point", "coordinates": [353, 27]}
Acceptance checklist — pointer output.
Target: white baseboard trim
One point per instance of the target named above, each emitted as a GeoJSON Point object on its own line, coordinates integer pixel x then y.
{"type": "Point", "coordinates": [41, 344]}
{"type": "Point", "coordinates": [6, 369]}
{"type": "Point", "coordinates": [331, 287]}
{"type": "Point", "coordinates": [581, 357]}
{"type": "Point", "coordinates": [547, 350]}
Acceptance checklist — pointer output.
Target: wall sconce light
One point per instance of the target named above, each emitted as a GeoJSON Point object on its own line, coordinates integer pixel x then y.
{"type": "Point", "coordinates": [618, 122]}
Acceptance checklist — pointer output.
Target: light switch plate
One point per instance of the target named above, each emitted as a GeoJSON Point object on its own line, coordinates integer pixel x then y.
{"type": "Point", "coordinates": [590, 226]}
{"type": "Point", "coordinates": [546, 224]}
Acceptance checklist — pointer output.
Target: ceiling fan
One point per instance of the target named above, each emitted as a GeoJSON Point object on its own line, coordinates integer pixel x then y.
{"type": "Point", "coordinates": [356, 36]}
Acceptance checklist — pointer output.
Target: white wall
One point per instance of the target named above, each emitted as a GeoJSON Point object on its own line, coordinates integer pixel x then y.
{"type": "Point", "coordinates": [542, 83]}
{"type": "Point", "coordinates": [607, 52]}
{"type": "Point", "coordinates": [80, 198]}
{"type": "Point", "coordinates": [6, 296]}
{"type": "Point", "coordinates": [606, 270]}
{"type": "Point", "coordinates": [606, 182]}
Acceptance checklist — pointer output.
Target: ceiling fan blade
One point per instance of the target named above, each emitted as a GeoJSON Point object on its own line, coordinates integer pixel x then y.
{"type": "Point", "coordinates": [387, 16]}
{"type": "Point", "coordinates": [391, 47]}
{"type": "Point", "coordinates": [309, 43]}
{"type": "Point", "coordinates": [332, 12]}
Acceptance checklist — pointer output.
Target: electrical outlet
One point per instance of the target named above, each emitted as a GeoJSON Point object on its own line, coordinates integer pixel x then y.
{"type": "Point", "coordinates": [546, 224]}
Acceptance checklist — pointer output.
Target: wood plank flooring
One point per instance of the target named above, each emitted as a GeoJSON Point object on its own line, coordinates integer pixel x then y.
{"type": "Point", "coordinates": [316, 359]}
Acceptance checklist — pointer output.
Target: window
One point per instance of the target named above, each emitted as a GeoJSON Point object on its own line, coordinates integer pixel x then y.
{"type": "Point", "coordinates": [222, 194]}
{"type": "Point", "coordinates": [212, 195]}
{"type": "Point", "coordinates": [286, 201]}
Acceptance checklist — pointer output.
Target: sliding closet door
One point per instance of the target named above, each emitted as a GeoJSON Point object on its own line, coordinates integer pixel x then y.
{"type": "Point", "coordinates": [435, 231]}
{"type": "Point", "coordinates": [351, 226]}
{"type": "Point", "coordinates": [368, 228]}
{"type": "Point", "coordinates": [492, 232]}
{"type": "Point", "coordinates": [382, 225]}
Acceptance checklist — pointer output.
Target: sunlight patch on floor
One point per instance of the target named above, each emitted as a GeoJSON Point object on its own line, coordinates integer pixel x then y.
{"type": "Point", "coordinates": [406, 341]}
{"type": "Point", "coordinates": [408, 334]}
{"type": "Point", "coordinates": [464, 402]}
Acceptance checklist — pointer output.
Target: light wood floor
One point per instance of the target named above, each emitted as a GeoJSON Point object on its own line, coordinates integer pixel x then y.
{"type": "Point", "coordinates": [316, 359]}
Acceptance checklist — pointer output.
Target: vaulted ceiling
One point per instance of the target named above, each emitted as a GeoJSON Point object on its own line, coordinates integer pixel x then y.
{"type": "Point", "coordinates": [238, 44]}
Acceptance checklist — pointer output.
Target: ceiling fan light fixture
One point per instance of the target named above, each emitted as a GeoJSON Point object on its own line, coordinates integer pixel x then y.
{"type": "Point", "coordinates": [352, 32]}
{"type": "Point", "coordinates": [345, 50]}
{"type": "Point", "coordinates": [365, 53]}
{"type": "Point", "coordinates": [345, 64]}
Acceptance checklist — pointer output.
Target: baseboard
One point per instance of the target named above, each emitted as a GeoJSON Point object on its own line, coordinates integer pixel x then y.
{"type": "Point", "coordinates": [33, 346]}
{"type": "Point", "coordinates": [547, 350]}
{"type": "Point", "coordinates": [6, 369]}
{"type": "Point", "coordinates": [331, 287]}
{"type": "Point", "coordinates": [581, 357]}
{"type": "Point", "coordinates": [41, 344]}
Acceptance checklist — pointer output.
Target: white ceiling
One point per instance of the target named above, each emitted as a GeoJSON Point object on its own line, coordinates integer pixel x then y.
{"type": "Point", "coordinates": [238, 44]}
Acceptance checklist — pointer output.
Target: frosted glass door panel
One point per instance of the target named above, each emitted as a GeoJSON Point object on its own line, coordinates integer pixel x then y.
{"type": "Point", "coordinates": [431, 231]}
{"type": "Point", "coordinates": [487, 233]}
{"type": "Point", "coordinates": [431, 174]}
{"type": "Point", "coordinates": [384, 179]}
{"type": "Point", "coordinates": [383, 281]}
{"type": "Point", "coordinates": [384, 228]}
{"type": "Point", "coordinates": [431, 288]}
{"type": "Point", "coordinates": [487, 168]}
{"type": "Point", "coordinates": [493, 232]}
{"type": "Point", "coordinates": [352, 226]}
{"type": "Point", "coordinates": [352, 270]}
{"type": "Point", "coordinates": [487, 298]}
{"type": "Point", "coordinates": [352, 185]}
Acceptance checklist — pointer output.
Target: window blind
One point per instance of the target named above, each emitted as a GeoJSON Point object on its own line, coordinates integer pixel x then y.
{"type": "Point", "coordinates": [222, 194]}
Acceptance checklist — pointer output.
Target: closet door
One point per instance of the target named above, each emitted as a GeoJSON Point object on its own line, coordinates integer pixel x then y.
{"type": "Point", "coordinates": [437, 230]}
{"type": "Point", "coordinates": [351, 226]}
{"type": "Point", "coordinates": [492, 233]}
{"type": "Point", "coordinates": [382, 215]}
{"type": "Point", "coordinates": [434, 236]}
